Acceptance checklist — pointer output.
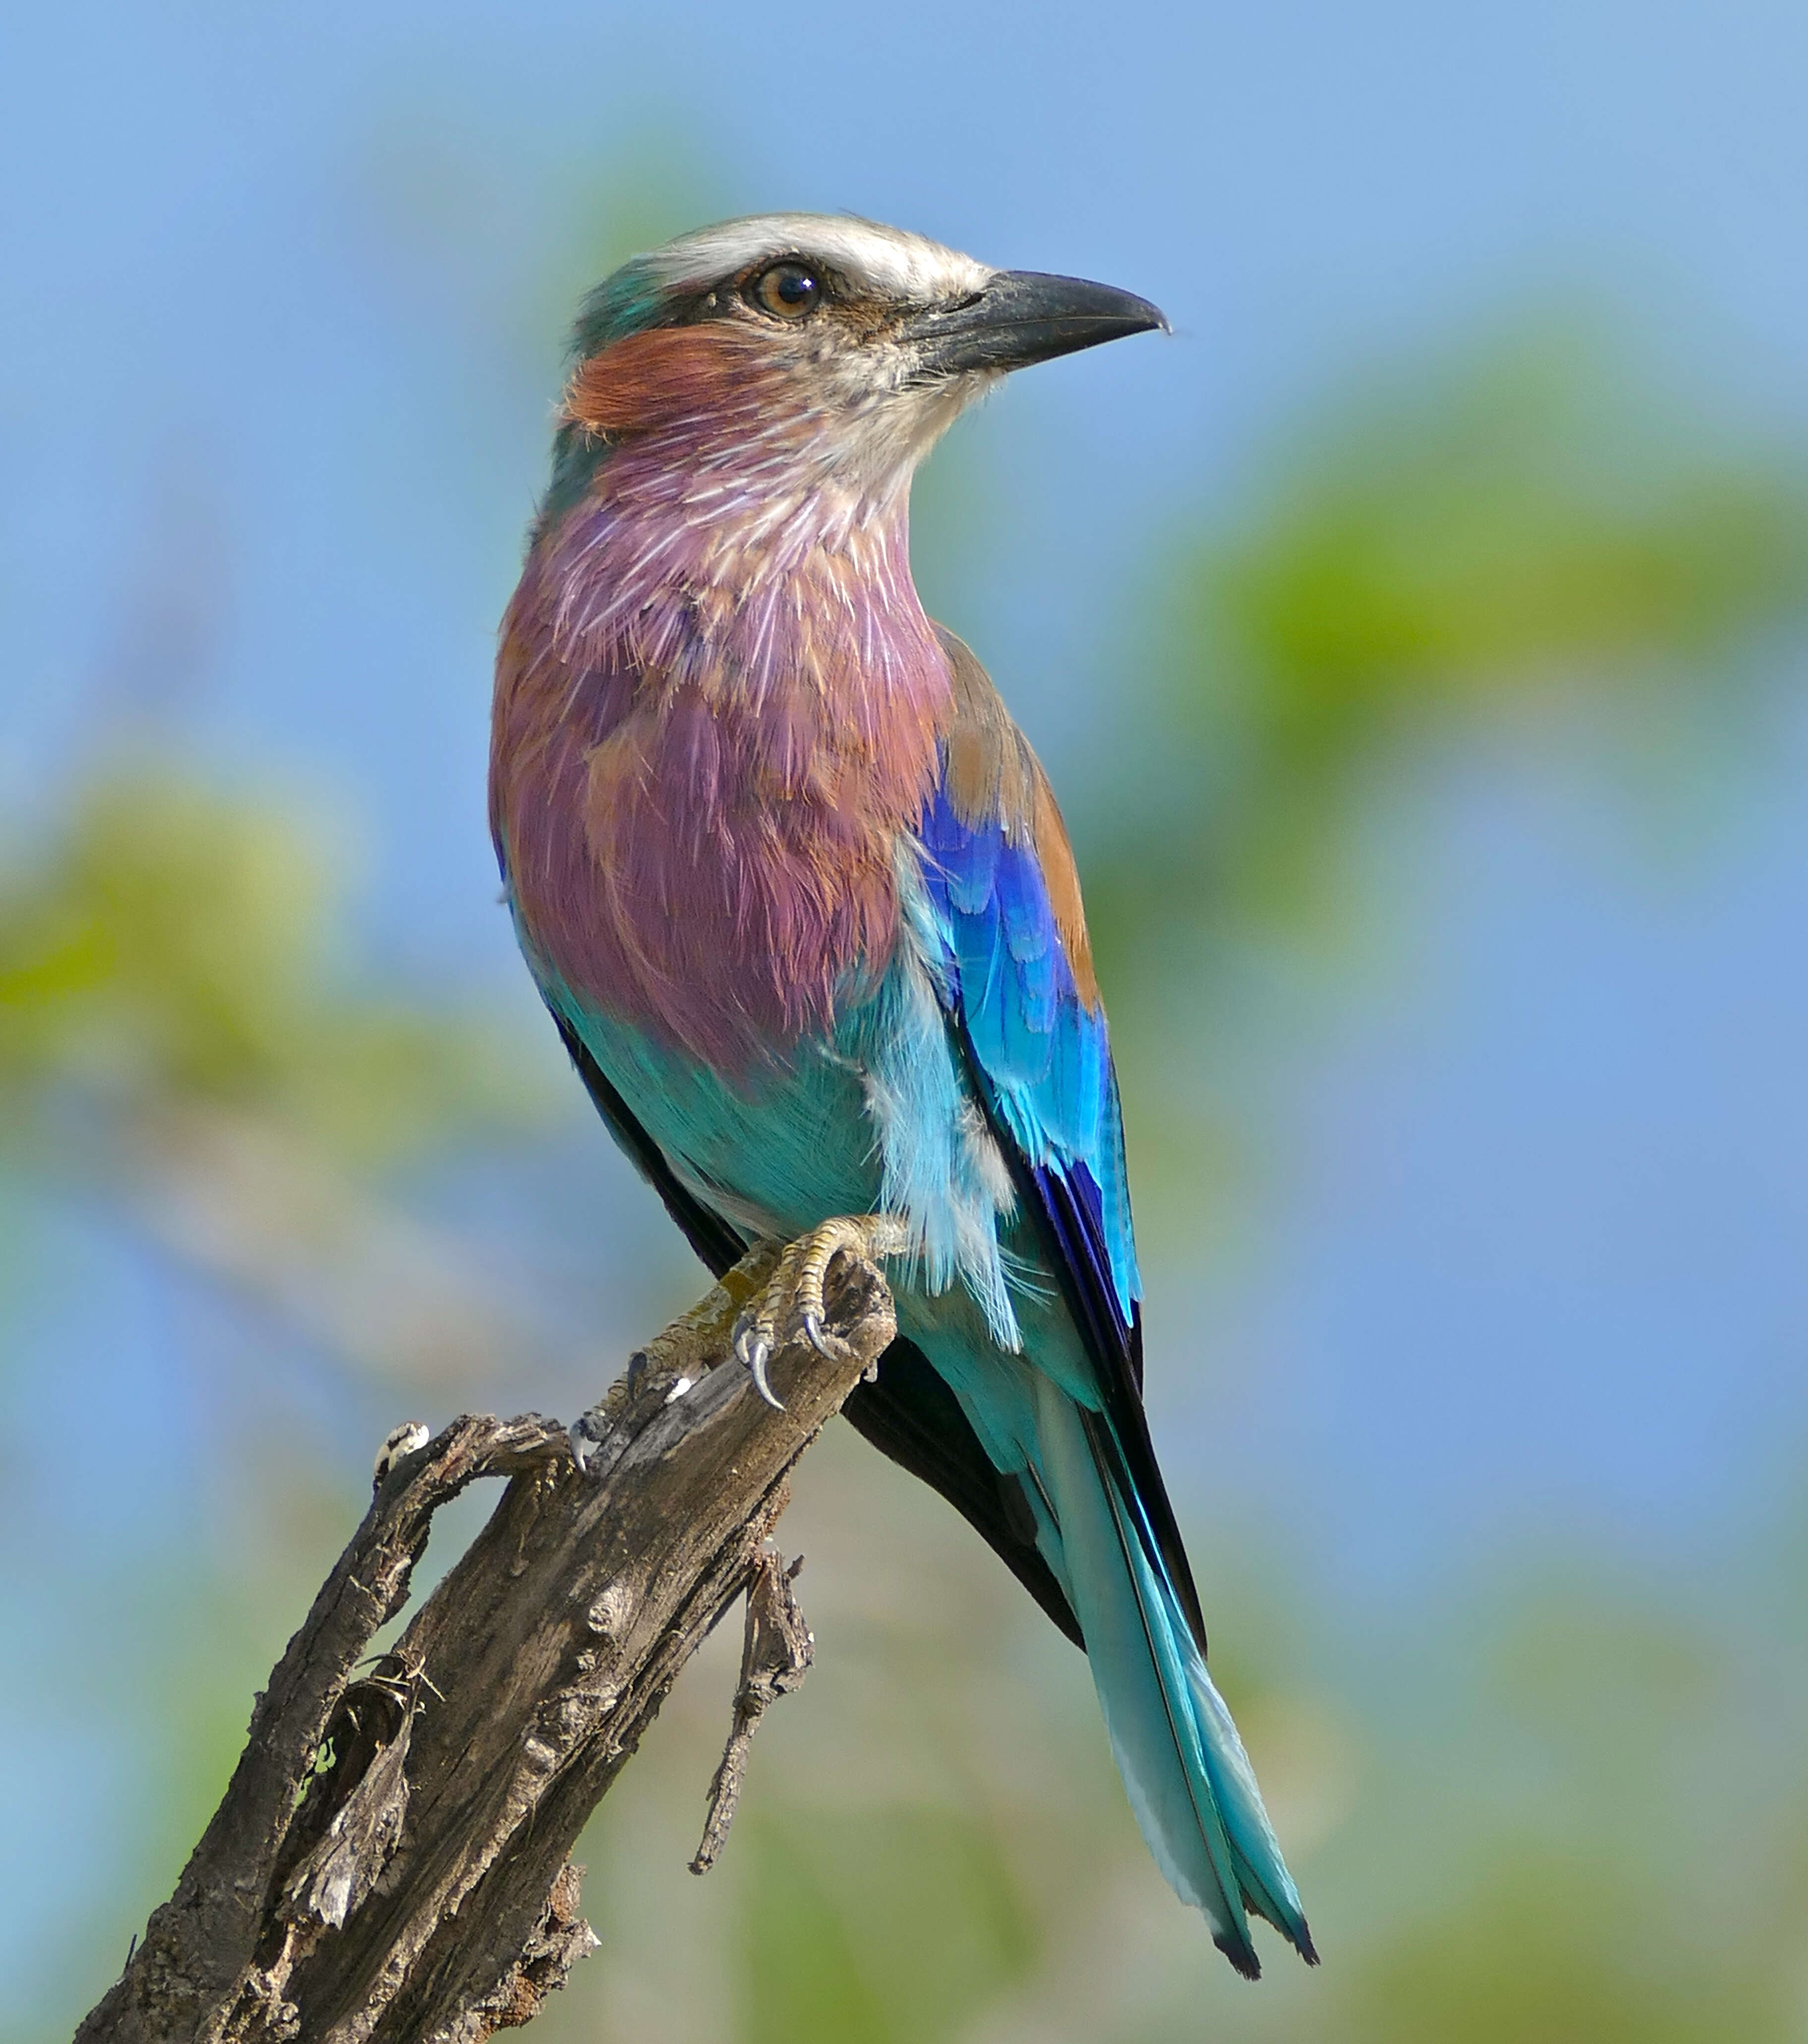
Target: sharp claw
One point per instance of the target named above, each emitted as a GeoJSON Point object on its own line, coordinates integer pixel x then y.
{"type": "Point", "coordinates": [795, 1275]}
{"type": "Point", "coordinates": [586, 1433]}
{"type": "Point", "coordinates": [755, 1359]}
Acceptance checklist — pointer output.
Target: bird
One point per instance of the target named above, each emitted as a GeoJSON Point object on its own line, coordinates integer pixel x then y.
{"type": "Point", "coordinates": [796, 892]}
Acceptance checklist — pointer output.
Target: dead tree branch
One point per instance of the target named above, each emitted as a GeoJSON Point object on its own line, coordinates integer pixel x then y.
{"type": "Point", "coordinates": [775, 1658]}
{"type": "Point", "coordinates": [389, 1864]}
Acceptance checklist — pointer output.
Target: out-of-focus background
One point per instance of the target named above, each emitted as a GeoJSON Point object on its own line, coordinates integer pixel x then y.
{"type": "Point", "coordinates": [1417, 639]}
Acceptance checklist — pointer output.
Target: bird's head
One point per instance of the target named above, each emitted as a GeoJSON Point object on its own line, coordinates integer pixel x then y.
{"type": "Point", "coordinates": [814, 350]}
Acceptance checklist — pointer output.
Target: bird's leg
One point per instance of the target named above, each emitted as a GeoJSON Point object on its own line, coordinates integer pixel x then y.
{"type": "Point", "coordinates": [794, 1291]}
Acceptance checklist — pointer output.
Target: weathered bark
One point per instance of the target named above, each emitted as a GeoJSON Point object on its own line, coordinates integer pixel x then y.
{"type": "Point", "coordinates": [390, 1864]}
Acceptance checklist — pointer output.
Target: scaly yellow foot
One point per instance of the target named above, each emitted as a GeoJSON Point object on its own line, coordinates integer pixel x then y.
{"type": "Point", "coordinates": [793, 1293]}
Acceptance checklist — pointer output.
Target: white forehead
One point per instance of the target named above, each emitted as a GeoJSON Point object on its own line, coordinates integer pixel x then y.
{"type": "Point", "coordinates": [888, 261]}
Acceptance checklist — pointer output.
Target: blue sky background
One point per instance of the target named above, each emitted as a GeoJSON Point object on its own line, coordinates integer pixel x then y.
{"type": "Point", "coordinates": [282, 300]}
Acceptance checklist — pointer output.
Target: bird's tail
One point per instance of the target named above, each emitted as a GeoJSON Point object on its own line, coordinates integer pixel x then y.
{"type": "Point", "coordinates": [1185, 1769]}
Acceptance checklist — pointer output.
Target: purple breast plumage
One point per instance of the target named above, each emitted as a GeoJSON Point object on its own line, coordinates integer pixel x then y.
{"type": "Point", "coordinates": [719, 703]}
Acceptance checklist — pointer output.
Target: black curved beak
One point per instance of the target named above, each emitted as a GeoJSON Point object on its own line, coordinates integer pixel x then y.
{"type": "Point", "coordinates": [1024, 316]}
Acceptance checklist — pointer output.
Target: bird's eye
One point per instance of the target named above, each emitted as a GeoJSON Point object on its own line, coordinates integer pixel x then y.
{"type": "Point", "coordinates": [787, 290]}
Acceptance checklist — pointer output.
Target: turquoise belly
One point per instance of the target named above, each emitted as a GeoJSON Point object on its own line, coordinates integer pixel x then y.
{"type": "Point", "coordinates": [777, 1152]}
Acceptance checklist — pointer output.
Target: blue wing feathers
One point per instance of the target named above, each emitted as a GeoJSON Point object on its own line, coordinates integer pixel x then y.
{"type": "Point", "coordinates": [969, 881]}
{"type": "Point", "coordinates": [1042, 1056]}
{"type": "Point", "coordinates": [1037, 1058]}
{"type": "Point", "coordinates": [1023, 903]}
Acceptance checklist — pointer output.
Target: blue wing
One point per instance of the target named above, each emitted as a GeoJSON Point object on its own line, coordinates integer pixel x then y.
{"type": "Point", "coordinates": [1022, 1005]}
{"type": "Point", "coordinates": [1036, 1041]}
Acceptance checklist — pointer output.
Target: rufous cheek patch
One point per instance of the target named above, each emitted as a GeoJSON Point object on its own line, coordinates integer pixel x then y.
{"type": "Point", "coordinates": [654, 379]}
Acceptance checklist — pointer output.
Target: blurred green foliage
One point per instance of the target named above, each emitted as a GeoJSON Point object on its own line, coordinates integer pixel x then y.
{"type": "Point", "coordinates": [175, 946]}
{"type": "Point", "coordinates": [1523, 533]}
{"type": "Point", "coordinates": [1551, 1950]}
{"type": "Point", "coordinates": [842, 1910]}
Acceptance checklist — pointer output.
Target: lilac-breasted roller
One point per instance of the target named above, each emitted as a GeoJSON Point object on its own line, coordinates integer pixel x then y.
{"type": "Point", "coordinates": [796, 892]}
